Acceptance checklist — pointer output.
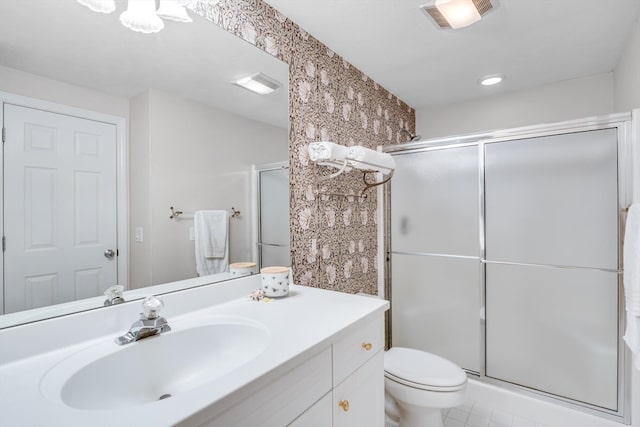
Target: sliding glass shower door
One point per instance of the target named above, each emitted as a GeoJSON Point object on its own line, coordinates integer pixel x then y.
{"type": "Point", "coordinates": [504, 258]}
{"type": "Point", "coordinates": [552, 259]}
{"type": "Point", "coordinates": [435, 255]}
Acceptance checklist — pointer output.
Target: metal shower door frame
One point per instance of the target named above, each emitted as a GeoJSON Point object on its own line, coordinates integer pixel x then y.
{"type": "Point", "coordinates": [257, 170]}
{"type": "Point", "coordinates": [626, 150]}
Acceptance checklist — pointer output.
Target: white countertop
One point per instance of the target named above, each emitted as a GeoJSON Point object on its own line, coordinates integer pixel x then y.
{"type": "Point", "coordinates": [299, 325]}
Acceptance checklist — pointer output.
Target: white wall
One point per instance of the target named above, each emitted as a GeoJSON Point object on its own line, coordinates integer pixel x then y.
{"type": "Point", "coordinates": [627, 74]}
{"type": "Point", "coordinates": [139, 209]}
{"type": "Point", "coordinates": [199, 158]}
{"type": "Point", "coordinates": [565, 100]}
{"type": "Point", "coordinates": [33, 86]}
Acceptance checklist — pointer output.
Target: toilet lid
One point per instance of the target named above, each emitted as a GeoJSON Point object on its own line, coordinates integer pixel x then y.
{"type": "Point", "coordinates": [422, 368]}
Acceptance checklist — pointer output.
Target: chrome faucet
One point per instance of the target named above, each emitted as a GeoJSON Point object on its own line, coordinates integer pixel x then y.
{"type": "Point", "coordinates": [114, 295]}
{"type": "Point", "coordinates": [148, 325]}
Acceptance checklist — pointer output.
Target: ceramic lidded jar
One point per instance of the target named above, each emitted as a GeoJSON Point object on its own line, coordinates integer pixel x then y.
{"type": "Point", "coordinates": [274, 281]}
{"type": "Point", "coordinates": [239, 269]}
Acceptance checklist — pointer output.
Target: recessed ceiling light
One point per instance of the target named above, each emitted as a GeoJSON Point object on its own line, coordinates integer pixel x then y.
{"type": "Point", "coordinates": [491, 80]}
{"type": "Point", "coordinates": [258, 83]}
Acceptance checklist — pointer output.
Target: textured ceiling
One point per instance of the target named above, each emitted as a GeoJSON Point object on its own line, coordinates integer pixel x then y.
{"type": "Point", "coordinates": [532, 42]}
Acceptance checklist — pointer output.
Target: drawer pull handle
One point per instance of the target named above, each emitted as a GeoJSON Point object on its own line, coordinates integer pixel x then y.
{"type": "Point", "coordinates": [344, 404]}
{"type": "Point", "coordinates": [367, 346]}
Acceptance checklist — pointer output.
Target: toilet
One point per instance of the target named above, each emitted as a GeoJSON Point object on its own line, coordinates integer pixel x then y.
{"type": "Point", "coordinates": [418, 385]}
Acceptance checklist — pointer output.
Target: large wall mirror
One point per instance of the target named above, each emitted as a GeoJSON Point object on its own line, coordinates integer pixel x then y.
{"type": "Point", "coordinates": [180, 135]}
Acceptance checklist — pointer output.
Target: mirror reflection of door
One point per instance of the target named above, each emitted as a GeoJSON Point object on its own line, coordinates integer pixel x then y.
{"type": "Point", "coordinates": [185, 137]}
{"type": "Point", "coordinates": [273, 215]}
{"type": "Point", "coordinates": [59, 208]}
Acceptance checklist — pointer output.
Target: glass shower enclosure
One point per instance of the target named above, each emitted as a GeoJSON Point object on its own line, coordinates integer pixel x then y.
{"type": "Point", "coordinates": [272, 214]}
{"type": "Point", "coordinates": [505, 257]}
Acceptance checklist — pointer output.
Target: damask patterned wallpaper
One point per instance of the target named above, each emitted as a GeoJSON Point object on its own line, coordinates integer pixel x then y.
{"type": "Point", "coordinates": [333, 237]}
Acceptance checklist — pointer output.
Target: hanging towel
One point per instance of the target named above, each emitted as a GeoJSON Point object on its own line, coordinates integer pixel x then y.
{"type": "Point", "coordinates": [631, 254]}
{"type": "Point", "coordinates": [211, 241]}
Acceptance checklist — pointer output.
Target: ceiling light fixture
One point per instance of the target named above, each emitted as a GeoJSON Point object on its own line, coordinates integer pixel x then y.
{"type": "Point", "coordinates": [457, 13]}
{"type": "Point", "coordinates": [258, 83]}
{"type": "Point", "coordinates": [101, 6]}
{"type": "Point", "coordinates": [491, 80]}
{"type": "Point", "coordinates": [141, 15]}
{"type": "Point", "coordinates": [193, 3]}
{"type": "Point", "coordinates": [173, 10]}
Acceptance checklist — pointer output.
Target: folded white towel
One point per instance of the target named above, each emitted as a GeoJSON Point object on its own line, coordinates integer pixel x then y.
{"type": "Point", "coordinates": [329, 154]}
{"type": "Point", "coordinates": [631, 257]}
{"type": "Point", "coordinates": [325, 150]}
{"type": "Point", "coordinates": [211, 241]}
{"type": "Point", "coordinates": [368, 159]}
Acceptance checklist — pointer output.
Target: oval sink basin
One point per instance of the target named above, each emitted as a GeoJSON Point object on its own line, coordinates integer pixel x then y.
{"type": "Point", "coordinates": [108, 376]}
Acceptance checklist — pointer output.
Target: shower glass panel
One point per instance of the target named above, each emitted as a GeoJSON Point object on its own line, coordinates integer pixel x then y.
{"type": "Point", "coordinates": [434, 206]}
{"type": "Point", "coordinates": [435, 253]}
{"type": "Point", "coordinates": [553, 200]}
{"type": "Point", "coordinates": [435, 302]}
{"type": "Point", "coordinates": [554, 330]}
{"type": "Point", "coordinates": [275, 255]}
{"type": "Point", "coordinates": [273, 216]}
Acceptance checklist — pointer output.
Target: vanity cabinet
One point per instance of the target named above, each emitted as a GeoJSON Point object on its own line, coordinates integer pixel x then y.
{"type": "Point", "coordinates": [319, 415]}
{"type": "Point", "coordinates": [359, 400]}
{"type": "Point", "coordinates": [313, 359]}
{"type": "Point", "coordinates": [342, 385]}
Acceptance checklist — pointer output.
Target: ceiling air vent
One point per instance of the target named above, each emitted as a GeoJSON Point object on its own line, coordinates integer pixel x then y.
{"type": "Point", "coordinates": [457, 13]}
{"type": "Point", "coordinates": [483, 6]}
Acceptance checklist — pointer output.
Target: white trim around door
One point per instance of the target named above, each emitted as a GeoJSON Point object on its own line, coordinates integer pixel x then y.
{"type": "Point", "coordinates": [121, 171]}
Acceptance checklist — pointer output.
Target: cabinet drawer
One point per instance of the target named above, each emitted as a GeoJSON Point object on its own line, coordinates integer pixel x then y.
{"type": "Point", "coordinates": [359, 400]}
{"type": "Point", "coordinates": [355, 349]}
{"type": "Point", "coordinates": [280, 402]}
{"type": "Point", "coordinates": [319, 415]}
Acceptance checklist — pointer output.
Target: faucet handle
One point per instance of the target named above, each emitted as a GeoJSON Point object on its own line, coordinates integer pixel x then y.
{"type": "Point", "coordinates": [114, 292]}
{"type": "Point", "coordinates": [151, 306]}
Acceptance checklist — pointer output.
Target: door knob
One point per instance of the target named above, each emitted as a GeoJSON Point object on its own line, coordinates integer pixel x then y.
{"type": "Point", "coordinates": [109, 254]}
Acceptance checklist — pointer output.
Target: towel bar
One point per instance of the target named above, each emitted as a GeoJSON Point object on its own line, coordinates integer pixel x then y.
{"type": "Point", "coordinates": [176, 214]}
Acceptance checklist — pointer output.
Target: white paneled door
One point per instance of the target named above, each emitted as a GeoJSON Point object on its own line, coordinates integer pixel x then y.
{"type": "Point", "coordinates": [59, 208]}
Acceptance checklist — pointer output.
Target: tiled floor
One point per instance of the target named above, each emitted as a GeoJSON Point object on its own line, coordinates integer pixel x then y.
{"type": "Point", "coordinates": [472, 414]}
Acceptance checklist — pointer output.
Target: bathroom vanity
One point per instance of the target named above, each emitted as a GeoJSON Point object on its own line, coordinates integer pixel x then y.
{"type": "Point", "coordinates": [314, 358]}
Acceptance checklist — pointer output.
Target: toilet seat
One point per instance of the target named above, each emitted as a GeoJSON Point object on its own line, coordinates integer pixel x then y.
{"type": "Point", "coordinates": [424, 387]}
{"type": "Point", "coordinates": [422, 370]}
